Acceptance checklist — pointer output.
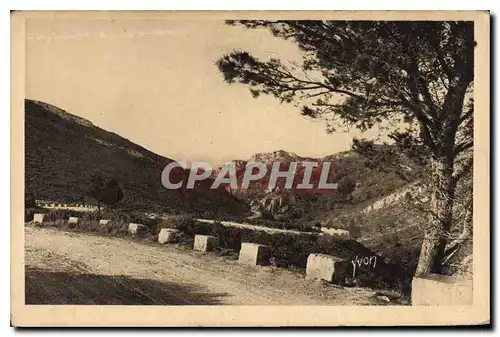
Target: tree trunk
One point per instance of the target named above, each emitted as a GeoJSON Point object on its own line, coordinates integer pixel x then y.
{"type": "Point", "coordinates": [466, 232]}
{"type": "Point", "coordinates": [442, 188]}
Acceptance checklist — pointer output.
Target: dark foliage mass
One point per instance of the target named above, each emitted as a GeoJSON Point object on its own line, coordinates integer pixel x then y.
{"type": "Point", "coordinates": [105, 192]}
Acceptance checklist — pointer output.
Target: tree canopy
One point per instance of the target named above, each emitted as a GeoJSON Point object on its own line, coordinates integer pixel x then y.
{"type": "Point", "coordinates": [105, 192]}
{"type": "Point", "coordinates": [365, 72]}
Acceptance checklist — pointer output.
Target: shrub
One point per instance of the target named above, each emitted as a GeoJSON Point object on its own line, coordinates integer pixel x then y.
{"type": "Point", "coordinates": [92, 216]}
{"type": "Point", "coordinates": [125, 217]}
{"type": "Point", "coordinates": [58, 223]}
{"type": "Point", "coordinates": [64, 214]}
{"type": "Point", "coordinates": [181, 222]}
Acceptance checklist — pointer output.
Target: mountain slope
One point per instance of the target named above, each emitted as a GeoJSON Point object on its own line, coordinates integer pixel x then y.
{"type": "Point", "coordinates": [63, 151]}
{"type": "Point", "coordinates": [381, 200]}
{"type": "Point", "coordinates": [364, 182]}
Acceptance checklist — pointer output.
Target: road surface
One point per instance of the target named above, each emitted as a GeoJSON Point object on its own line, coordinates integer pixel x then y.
{"type": "Point", "coordinates": [76, 268]}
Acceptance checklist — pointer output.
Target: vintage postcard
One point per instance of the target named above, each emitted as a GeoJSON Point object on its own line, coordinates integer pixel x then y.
{"type": "Point", "coordinates": [250, 168]}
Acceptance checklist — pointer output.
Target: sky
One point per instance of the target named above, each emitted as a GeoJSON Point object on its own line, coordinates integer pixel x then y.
{"type": "Point", "coordinates": [155, 82]}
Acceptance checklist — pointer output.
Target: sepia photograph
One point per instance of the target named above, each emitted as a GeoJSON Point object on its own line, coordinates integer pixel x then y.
{"type": "Point", "coordinates": [239, 168]}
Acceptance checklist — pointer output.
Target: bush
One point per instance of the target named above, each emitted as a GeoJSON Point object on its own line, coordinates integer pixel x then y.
{"type": "Point", "coordinates": [112, 228]}
{"type": "Point", "coordinates": [125, 217]}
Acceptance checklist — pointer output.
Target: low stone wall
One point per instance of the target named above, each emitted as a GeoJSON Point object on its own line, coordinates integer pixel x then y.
{"type": "Point", "coordinates": [434, 290]}
{"type": "Point", "coordinates": [104, 222]}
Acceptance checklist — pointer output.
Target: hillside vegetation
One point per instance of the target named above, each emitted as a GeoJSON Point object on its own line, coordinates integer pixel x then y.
{"type": "Point", "coordinates": [63, 152]}
{"type": "Point", "coordinates": [363, 178]}
{"type": "Point", "coordinates": [365, 175]}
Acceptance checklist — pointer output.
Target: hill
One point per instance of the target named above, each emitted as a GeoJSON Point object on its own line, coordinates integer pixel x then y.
{"type": "Point", "coordinates": [63, 152]}
{"type": "Point", "coordinates": [369, 178]}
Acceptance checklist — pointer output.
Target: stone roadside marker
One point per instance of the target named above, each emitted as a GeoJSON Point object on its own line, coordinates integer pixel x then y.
{"type": "Point", "coordinates": [327, 267]}
{"type": "Point", "coordinates": [205, 243]}
{"type": "Point", "coordinates": [434, 290]}
{"type": "Point", "coordinates": [168, 235]}
{"type": "Point", "coordinates": [38, 218]}
{"type": "Point", "coordinates": [136, 228]}
{"type": "Point", "coordinates": [254, 254]}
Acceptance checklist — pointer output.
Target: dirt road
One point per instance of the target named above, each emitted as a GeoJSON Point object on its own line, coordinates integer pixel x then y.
{"type": "Point", "coordinates": [75, 268]}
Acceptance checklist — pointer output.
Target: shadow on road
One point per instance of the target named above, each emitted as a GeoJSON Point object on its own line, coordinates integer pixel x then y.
{"type": "Point", "coordinates": [47, 287]}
